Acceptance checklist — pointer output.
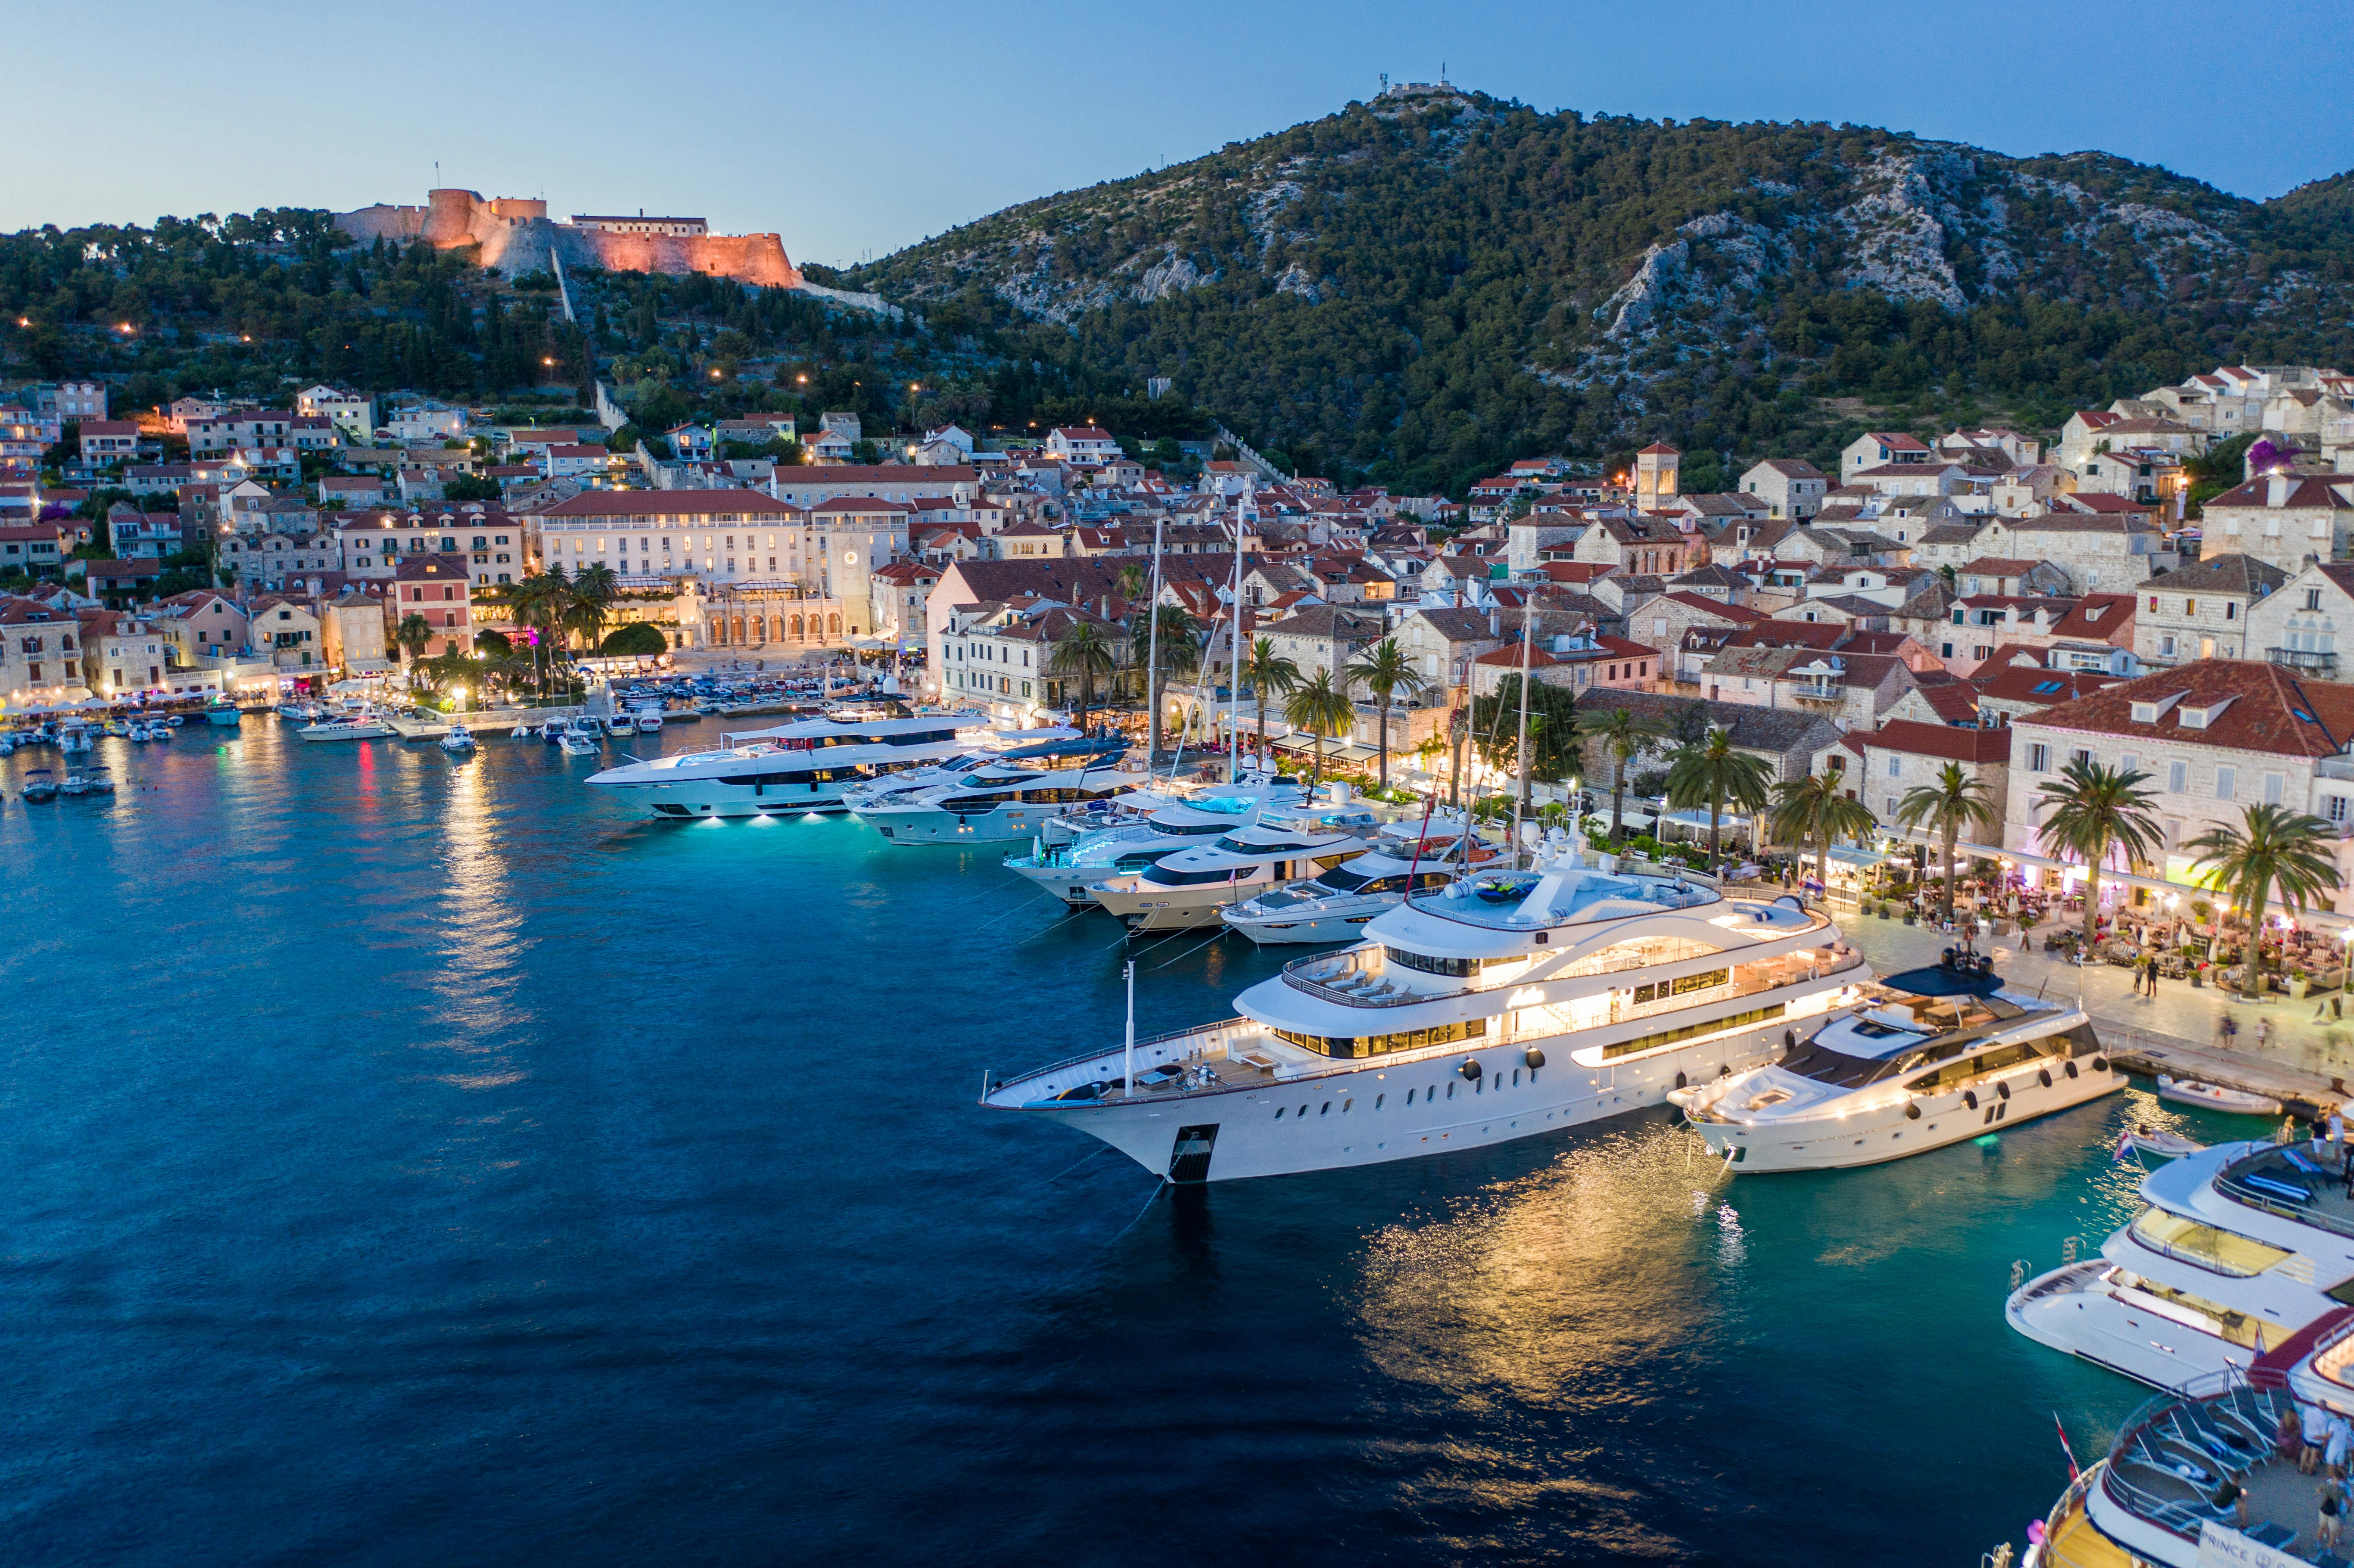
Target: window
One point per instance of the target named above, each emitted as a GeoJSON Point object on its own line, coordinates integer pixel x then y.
{"type": "Point", "coordinates": [2230, 610]}
{"type": "Point", "coordinates": [2127, 762]}
{"type": "Point", "coordinates": [1896, 766]}
{"type": "Point", "coordinates": [2177, 777]}
{"type": "Point", "coordinates": [2226, 783]}
{"type": "Point", "coordinates": [2333, 808]}
{"type": "Point", "coordinates": [2273, 789]}
{"type": "Point", "coordinates": [2313, 598]}
{"type": "Point", "coordinates": [2038, 758]}
{"type": "Point", "coordinates": [1889, 809]}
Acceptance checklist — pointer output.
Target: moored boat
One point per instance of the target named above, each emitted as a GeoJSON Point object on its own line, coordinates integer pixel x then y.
{"type": "Point", "coordinates": [2215, 1097]}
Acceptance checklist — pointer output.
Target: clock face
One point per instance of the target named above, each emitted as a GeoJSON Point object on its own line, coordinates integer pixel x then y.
{"type": "Point", "coordinates": [850, 557]}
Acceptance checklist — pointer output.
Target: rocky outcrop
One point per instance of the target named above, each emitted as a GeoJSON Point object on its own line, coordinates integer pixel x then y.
{"type": "Point", "coordinates": [516, 235]}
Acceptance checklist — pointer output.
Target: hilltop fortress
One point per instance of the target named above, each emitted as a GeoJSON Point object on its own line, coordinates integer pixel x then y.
{"type": "Point", "coordinates": [516, 235]}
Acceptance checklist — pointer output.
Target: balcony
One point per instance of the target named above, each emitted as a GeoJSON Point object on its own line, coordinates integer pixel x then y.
{"type": "Point", "coordinates": [2304, 661]}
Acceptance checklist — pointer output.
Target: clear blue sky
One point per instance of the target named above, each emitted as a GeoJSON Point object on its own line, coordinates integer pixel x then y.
{"type": "Point", "coordinates": [852, 129]}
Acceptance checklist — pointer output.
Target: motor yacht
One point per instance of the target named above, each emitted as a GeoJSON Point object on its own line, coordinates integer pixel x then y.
{"type": "Point", "coordinates": [649, 721]}
{"type": "Point", "coordinates": [1141, 840]}
{"type": "Point", "coordinates": [459, 739]}
{"type": "Point", "coordinates": [1336, 905]}
{"type": "Point", "coordinates": [2229, 1261]}
{"type": "Point", "coordinates": [622, 726]}
{"type": "Point", "coordinates": [577, 744]}
{"type": "Point", "coordinates": [986, 747]}
{"type": "Point", "coordinates": [788, 770]}
{"type": "Point", "coordinates": [2150, 1500]}
{"type": "Point", "coordinates": [1008, 800]}
{"type": "Point", "coordinates": [1540, 1000]}
{"type": "Point", "coordinates": [1924, 1059]}
{"type": "Point", "coordinates": [360, 726]}
{"type": "Point", "coordinates": [74, 736]}
{"type": "Point", "coordinates": [1193, 887]}
{"type": "Point", "coordinates": [224, 714]}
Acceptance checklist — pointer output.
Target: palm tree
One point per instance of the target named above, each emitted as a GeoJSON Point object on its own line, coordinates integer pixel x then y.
{"type": "Point", "coordinates": [1623, 736]}
{"type": "Point", "coordinates": [1712, 771]}
{"type": "Point", "coordinates": [541, 602]}
{"type": "Point", "coordinates": [2273, 848]}
{"type": "Point", "coordinates": [2096, 809]}
{"type": "Point", "coordinates": [1179, 651]}
{"type": "Point", "coordinates": [1267, 671]}
{"type": "Point", "coordinates": [593, 592]}
{"type": "Point", "coordinates": [1385, 670]}
{"type": "Point", "coordinates": [1132, 582]}
{"type": "Point", "coordinates": [413, 634]}
{"type": "Point", "coordinates": [1082, 651]}
{"type": "Point", "coordinates": [1954, 803]}
{"type": "Point", "coordinates": [1815, 810]}
{"type": "Point", "coordinates": [1322, 709]}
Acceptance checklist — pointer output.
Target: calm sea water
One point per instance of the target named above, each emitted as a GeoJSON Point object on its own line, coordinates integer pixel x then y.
{"type": "Point", "coordinates": [416, 1162]}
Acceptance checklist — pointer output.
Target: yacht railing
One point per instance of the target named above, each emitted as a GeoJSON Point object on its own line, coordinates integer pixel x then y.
{"type": "Point", "coordinates": [2238, 1409]}
{"type": "Point", "coordinates": [1316, 976]}
{"type": "Point", "coordinates": [1217, 1033]}
{"type": "Point", "coordinates": [2231, 1181]}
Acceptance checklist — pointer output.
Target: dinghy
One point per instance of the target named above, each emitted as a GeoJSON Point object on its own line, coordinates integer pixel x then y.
{"type": "Point", "coordinates": [2214, 1096]}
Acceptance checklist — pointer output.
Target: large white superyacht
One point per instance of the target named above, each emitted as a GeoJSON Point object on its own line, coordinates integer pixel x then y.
{"type": "Point", "coordinates": [792, 769]}
{"type": "Point", "coordinates": [1541, 1000]}
{"type": "Point", "coordinates": [994, 746]}
{"type": "Point", "coordinates": [1918, 1061]}
{"type": "Point", "coordinates": [2233, 1258]}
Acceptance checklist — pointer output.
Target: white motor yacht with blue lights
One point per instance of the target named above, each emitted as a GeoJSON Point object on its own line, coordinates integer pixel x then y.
{"type": "Point", "coordinates": [1010, 799]}
{"type": "Point", "coordinates": [1926, 1058]}
{"type": "Point", "coordinates": [800, 767]}
{"type": "Point", "coordinates": [991, 746]}
{"type": "Point", "coordinates": [2242, 1245]}
{"type": "Point", "coordinates": [1144, 840]}
{"type": "Point", "coordinates": [1336, 905]}
{"type": "Point", "coordinates": [1471, 1016]}
{"type": "Point", "coordinates": [1193, 887]}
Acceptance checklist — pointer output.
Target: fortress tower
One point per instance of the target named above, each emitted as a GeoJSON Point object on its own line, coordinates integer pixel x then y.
{"type": "Point", "coordinates": [515, 234]}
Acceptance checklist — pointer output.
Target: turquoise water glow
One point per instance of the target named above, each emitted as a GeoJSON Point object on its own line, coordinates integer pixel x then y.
{"type": "Point", "coordinates": [426, 1162]}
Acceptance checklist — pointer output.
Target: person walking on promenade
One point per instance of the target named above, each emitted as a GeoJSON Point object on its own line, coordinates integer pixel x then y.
{"type": "Point", "coordinates": [2150, 969]}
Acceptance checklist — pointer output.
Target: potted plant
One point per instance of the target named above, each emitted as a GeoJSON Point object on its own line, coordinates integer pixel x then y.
{"type": "Point", "coordinates": [2297, 985]}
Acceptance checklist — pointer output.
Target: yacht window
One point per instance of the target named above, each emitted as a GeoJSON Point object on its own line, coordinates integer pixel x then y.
{"type": "Point", "coordinates": [1640, 954]}
{"type": "Point", "coordinates": [1430, 964]}
{"type": "Point", "coordinates": [1237, 843]}
{"type": "Point", "coordinates": [1409, 1099]}
{"type": "Point", "coordinates": [1963, 1069]}
{"type": "Point", "coordinates": [1278, 1113]}
{"type": "Point", "coordinates": [1735, 1021]}
{"type": "Point", "coordinates": [1662, 990]}
{"type": "Point", "coordinates": [1327, 1110]}
{"type": "Point", "coordinates": [1516, 1077]}
{"type": "Point", "coordinates": [2204, 1246]}
{"type": "Point", "coordinates": [1379, 1099]}
{"type": "Point", "coordinates": [1166, 875]}
{"type": "Point", "coordinates": [1381, 1045]}
{"type": "Point", "coordinates": [1450, 1091]}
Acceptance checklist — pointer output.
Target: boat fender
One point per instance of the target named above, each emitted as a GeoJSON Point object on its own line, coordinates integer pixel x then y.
{"type": "Point", "coordinates": [2002, 1088]}
{"type": "Point", "coordinates": [2043, 1077]}
{"type": "Point", "coordinates": [1679, 1080]}
{"type": "Point", "coordinates": [1970, 1098]}
{"type": "Point", "coordinates": [2069, 1068]}
{"type": "Point", "coordinates": [1472, 1070]}
{"type": "Point", "coordinates": [1534, 1057]}
{"type": "Point", "coordinates": [1789, 1040]}
{"type": "Point", "coordinates": [1912, 1111]}
{"type": "Point", "coordinates": [2100, 1064]}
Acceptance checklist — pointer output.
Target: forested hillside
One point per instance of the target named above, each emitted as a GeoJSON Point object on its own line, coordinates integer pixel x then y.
{"type": "Point", "coordinates": [1419, 289]}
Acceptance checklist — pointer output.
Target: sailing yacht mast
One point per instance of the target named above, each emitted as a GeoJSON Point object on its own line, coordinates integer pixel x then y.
{"type": "Point", "coordinates": [1521, 750]}
{"type": "Point", "coordinates": [1235, 666]}
{"type": "Point", "coordinates": [1152, 657]}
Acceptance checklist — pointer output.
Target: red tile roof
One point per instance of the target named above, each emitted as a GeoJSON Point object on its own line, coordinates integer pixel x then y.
{"type": "Point", "coordinates": [1949, 741]}
{"type": "Point", "coordinates": [2269, 709]}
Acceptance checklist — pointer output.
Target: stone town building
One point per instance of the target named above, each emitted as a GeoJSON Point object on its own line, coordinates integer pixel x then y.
{"type": "Point", "coordinates": [1852, 690]}
{"type": "Point", "coordinates": [1902, 755]}
{"type": "Point", "coordinates": [2203, 610]}
{"type": "Point", "coordinates": [2297, 625]}
{"type": "Point", "coordinates": [2214, 736]}
{"type": "Point", "coordinates": [435, 586]}
{"type": "Point", "coordinates": [2281, 518]}
{"type": "Point", "coordinates": [1792, 488]}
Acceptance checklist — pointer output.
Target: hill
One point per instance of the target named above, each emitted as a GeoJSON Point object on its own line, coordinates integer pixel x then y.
{"type": "Point", "coordinates": [1419, 289]}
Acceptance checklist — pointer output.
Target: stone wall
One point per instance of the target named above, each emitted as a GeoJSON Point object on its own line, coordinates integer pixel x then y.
{"type": "Point", "coordinates": [516, 235]}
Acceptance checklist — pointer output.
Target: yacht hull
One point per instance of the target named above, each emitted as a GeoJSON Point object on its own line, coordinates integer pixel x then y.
{"type": "Point", "coordinates": [1311, 929]}
{"type": "Point", "coordinates": [2071, 1309]}
{"type": "Point", "coordinates": [1874, 1136]}
{"type": "Point", "coordinates": [1006, 825]}
{"type": "Point", "coordinates": [1363, 1116]}
{"type": "Point", "coordinates": [710, 799]}
{"type": "Point", "coordinates": [1177, 908]}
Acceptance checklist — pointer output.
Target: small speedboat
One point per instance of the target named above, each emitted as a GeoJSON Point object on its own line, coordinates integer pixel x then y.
{"type": "Point", "coordinates": [621, 724]}
{"type": "Point", "coordinates": [524, 732]}
{"type": "Point", "coordinates": [649, 721]}
{"type": "Point", "coordinates": [224, 714]}
{"type": "Point", "coordinates": [120, 729]}
{"type": "Point", "coordinates": [158, 729]}
{"type": "Point", "coordinates": [2214, 1096]}
{"type": "Point", "coordinates": [40, 784]}
{"type": "Point", "coordinates": [97, 782]}
{"type": "Point", "coordinates": [459, 739]}
{"type": "Point", "coordinates": [138, 732]}
{"type": "Point", "coordinates": [76, 783]}
{"type": "Point", "coordinates": [2163, 1142]}
{"type": "Point", "coordinates": [577, 746]}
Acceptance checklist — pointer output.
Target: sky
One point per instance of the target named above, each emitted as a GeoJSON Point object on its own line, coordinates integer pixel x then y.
{"type": "Point", "coordinates": [853, 130]}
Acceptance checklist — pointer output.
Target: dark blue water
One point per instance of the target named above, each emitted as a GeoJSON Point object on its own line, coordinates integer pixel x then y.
{"type": "Point", "coordinates": [410, 1161]}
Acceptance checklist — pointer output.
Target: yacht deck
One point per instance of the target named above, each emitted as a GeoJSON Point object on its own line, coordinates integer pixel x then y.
{"type": "Point", "coordinates": [2173, 1457]}
{"type": "Point", "coordinates": [2294, 1181]}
